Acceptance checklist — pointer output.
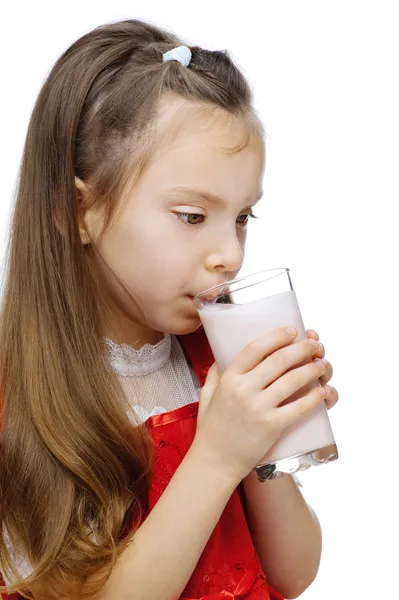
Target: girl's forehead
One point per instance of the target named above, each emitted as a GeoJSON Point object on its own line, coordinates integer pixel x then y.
{"type": "Point", "coordinates": [183, 123]}
{"type": "Point", "coordinates": [206, 151]}
{"type": "Point", "coordinates": [190, 143]}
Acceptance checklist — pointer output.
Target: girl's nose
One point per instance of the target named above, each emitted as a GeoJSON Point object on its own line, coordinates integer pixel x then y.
{"type": "Point", "coordinates": [228, 256]}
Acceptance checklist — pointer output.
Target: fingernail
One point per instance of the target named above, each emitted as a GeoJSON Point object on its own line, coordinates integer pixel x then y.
{"type": "Point", "coordinates": [321, 363]}
{"type": "Point", "coordinates": [291, 330]}
{"type": "Point", "coordinates": [314, 343]}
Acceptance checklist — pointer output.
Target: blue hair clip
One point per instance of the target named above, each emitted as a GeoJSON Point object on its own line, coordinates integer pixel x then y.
{"type": "Point", "coordinates": [182, 54]}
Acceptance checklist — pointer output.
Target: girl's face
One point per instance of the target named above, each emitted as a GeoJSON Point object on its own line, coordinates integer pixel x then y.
{"type": "Point", "coordinates": [183, 228]}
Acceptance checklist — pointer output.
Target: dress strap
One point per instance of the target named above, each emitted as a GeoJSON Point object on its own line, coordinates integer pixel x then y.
{"type": "Point", "coordinates": [198, 351]}
{"type": "Point", "coordinates": [183, 412]}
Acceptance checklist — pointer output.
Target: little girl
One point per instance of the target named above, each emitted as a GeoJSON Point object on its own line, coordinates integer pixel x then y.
{"type": "Point", "coordinates": [126, 458]}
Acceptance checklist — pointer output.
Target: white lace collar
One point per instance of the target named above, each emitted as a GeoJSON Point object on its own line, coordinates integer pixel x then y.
{"type": "Point", "coordinates": [126, 360]}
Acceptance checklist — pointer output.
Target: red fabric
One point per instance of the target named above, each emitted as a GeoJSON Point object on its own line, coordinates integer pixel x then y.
{"type": "Point", "coordinates": [9, 596]}
{"type": "Point", "coordinates": [229, 568]}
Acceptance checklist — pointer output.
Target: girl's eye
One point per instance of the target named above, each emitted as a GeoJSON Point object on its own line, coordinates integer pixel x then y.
{"type": "Point", "coordinates": [198, 219]}
{"type": "Point", "coordinates": [246, 218]}
{"type": "Point", "coordinates": [192, 218]}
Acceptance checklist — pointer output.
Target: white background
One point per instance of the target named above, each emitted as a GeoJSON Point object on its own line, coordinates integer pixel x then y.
{"type": "Point", "coordinates": [325, 77]}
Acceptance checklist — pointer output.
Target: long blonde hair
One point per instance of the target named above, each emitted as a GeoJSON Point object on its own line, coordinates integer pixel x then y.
{"type": "Point", "coordinates": [73, 470]}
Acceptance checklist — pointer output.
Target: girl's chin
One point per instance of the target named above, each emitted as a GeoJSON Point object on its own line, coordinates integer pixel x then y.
{"type": "Point", "coordinates": [186, 323]}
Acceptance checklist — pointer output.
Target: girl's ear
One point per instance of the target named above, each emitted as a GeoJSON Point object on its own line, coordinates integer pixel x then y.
{"type": "Point", "coordinates": [81, 195]}
{"type": "Point", "coordinates": [89, 219]}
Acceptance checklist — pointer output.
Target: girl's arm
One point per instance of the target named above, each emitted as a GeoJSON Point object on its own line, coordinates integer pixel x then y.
{"type": "Point", "coordinates": [165, 550]}
{"type": "Point", "coordinates": [285, 532]}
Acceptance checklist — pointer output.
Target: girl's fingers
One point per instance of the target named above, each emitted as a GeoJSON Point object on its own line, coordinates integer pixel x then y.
{"type": "Point", "coordinates": [311, 333]}
{"type": "Point", "coordinates": [331, 397]}
{"type": "Point", "coordinates": [256, 351]}
{"type": "Point", "coordinates": [291, 382]}
{"type": "Point", "coordinates": [275, 365]}
{"type": "Point", "coordinates": [290, 413]}
{"type": "Point", "coordinates": [328, 373]}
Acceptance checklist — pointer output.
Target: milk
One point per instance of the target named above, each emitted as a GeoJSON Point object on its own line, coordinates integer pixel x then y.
{"type": "Point", "coordinates": [230, 327]}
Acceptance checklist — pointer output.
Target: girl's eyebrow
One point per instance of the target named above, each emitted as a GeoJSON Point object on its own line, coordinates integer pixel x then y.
{"type": "Point", "coordinates": [207, 196]}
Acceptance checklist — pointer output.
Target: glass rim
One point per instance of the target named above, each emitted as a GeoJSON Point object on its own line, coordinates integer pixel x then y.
{"type": "Point", "coordinates": [280, 271]}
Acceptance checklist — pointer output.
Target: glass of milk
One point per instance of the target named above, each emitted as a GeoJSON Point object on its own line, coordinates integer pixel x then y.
{"type": "Point", "coordinates": [239, 311]}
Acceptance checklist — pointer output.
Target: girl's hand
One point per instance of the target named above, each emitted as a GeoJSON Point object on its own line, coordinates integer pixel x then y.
{"type": "Point", "coordinates": [242, 412]}
{"type": "Point", "coordinates": [331, 393]}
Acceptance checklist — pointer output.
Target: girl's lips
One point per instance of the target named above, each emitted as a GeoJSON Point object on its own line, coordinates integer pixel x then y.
{"type": "Point", "coordinates": [213, 293]}
{"type": "Point", "coordinates": [209, 297]}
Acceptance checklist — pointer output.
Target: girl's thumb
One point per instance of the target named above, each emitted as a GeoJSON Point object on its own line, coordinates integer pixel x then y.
{"type": "Point", "coordinates": [208, 389]}
{"type": "Point", "coordinates": [213, 376]}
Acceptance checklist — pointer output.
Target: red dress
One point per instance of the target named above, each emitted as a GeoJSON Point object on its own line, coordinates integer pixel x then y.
{"type": "Point", "coordinates": [229, 567]}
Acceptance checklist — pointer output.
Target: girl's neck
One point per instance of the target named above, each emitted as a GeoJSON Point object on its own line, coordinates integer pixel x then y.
{"type": "Point", "coordinates": [133, 334]}
{"type": "Point", "coordinates": [137, 339]}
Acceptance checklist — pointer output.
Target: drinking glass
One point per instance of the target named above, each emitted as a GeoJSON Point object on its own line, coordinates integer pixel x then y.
{"type": "Point", "coordinates": [235, 313]}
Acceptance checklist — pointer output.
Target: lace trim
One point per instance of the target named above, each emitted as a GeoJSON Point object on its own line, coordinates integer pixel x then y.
{"type": "Point", "coordinates": [126, 360]}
